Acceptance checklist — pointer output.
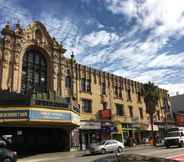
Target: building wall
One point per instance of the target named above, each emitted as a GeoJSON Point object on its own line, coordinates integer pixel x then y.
{"type": "Point", "coordinates": [177, 103]}
{"type": "Point", "coordinates": [15, 43]}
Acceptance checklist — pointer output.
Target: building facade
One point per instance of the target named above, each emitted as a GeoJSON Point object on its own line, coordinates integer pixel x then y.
{"type": "Point", "coordinates": [177, 104]}
{"type": "Point", "coordinates": [45, 91]}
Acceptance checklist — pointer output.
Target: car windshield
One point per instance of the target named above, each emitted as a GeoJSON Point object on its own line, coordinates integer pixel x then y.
{"type": "Point", "coordinates": [102, 142]}
{"type": "Point", "coordinates": [173, 134]}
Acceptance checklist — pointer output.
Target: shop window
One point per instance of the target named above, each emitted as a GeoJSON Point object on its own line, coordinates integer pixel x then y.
{"type": "Point", "coordinates": [119, 110]}
{"type": "Point", "coordinates": [130, 111]}
{"type": "Point", "coordinates": [68, 82]}
{"type": "Point", "coordinates": [34, 72]}
{"type": "Point", "coordinates": [141, 113]}
{"type": "Point", "coordinates": [86, 105]}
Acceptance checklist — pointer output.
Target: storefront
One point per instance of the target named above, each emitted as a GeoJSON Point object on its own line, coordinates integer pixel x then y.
{"type": "Point", "coordinates": [107, 129]}
{"type": "Point", "coordinates": [118, 134]}
{"type": "Point", "coordinates": [137, 131]}
{"type": "Point", "coordinates": [89, 133]}
{"type": "Point", "coordinates": [36, 129]}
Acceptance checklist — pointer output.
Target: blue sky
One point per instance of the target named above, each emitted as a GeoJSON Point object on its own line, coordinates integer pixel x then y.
{"type": "Point", "coordinates": [139, 39]}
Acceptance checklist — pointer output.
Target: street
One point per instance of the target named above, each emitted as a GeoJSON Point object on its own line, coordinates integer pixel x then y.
{"type": "Point", "coordinates": [171, 153]}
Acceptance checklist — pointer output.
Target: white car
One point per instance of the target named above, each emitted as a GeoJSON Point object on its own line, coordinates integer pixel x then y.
{"type": "Point", "coordinates": [107, 146]}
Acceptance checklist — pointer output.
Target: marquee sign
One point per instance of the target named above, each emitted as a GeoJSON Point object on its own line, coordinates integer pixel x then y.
{"type": "Point", "coordinates": [14, 115]}
{"type": "Point", "coordinates": [38, 114]}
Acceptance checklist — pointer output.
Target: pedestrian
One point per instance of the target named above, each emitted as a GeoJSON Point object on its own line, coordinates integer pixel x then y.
{"type": "Point", "coordinates": [134, 142]}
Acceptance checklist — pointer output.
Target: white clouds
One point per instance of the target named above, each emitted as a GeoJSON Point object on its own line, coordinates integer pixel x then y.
{"type": "Point", "coordinates": [150, 13]}
{"type": "Point", "coordinates": [64, 30]}
{"type": "Point", "coordinates": [100, 38]}
{"type": "Point", "coordinates": [11, 12]}
{"type": "Point", "coordinates": [173, 88]}
{"type": "Point", "coordinates": [164, 18]}
{"type": "Point", "coordinates": [152, 75]}
{"type": "Point", "coordinates": [126, 7]}
{"type": "Point", "coordinates": [165, 60]}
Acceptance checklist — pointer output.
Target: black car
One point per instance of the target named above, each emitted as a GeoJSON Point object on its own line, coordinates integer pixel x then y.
{"type": "Point", "coordinates": [7, 155]}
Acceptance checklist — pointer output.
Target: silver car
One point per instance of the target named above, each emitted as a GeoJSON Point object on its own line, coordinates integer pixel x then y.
{"type": "Point", "coordinates": [107, 146]}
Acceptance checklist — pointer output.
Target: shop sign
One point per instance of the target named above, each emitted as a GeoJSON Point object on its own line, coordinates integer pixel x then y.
{"type": "Point", "coordinates": [180, 119]}
{"type": "Point", "coordinates": [105, 114]}
{"type": "Point", "coordinates": [108, 129]}
{"type": "Point", "coordinates": [14, 115]}
{"type": "Point", "coordinates": [90, 125]}
{"type": "Point", "coordinates": [47, 115]}
{"type": "Point", "coordinates": [30, 114]}
{"type": "Point", "coordinates": [107, 124]}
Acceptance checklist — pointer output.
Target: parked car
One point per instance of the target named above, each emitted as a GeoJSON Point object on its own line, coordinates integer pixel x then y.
{"type": "Point", "coordinates": [5, 140]}
{"type": "Point", "coordinates": [7, 155]}
{"type": "Point", "coordinates": [107, 146]}
{"type": "Point", "coordinates": [175, 136]}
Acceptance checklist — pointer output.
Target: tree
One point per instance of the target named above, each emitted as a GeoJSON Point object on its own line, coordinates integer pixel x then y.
{"type": "Point", "coordinates": [151, 98]}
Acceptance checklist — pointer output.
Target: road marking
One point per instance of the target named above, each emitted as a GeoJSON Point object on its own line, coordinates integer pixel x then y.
{"type": "Point", "coordinates": [177, 157]}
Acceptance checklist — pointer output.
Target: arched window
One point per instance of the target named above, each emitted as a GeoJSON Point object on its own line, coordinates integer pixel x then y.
{"type": "Point", "coordinates": [34, 72]}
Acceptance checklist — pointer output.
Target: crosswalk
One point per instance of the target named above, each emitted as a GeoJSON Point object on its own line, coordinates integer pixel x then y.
{"type": "Point", "coordinates": [179, 157]}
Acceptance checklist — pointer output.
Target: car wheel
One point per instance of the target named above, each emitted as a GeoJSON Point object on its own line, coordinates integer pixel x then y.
{"type": "Point", "coordinates": [7, 160]}
{"type": "Point", "coordinates": [103, 151]}
{"type": "Point", "coordinates": [167, 146]}
{"type": "Point", "coordinates": [120, 149]}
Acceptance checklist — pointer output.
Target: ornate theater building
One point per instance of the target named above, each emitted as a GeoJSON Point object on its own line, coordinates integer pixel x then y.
{"type": "Point", "coordinates": [48, 101]}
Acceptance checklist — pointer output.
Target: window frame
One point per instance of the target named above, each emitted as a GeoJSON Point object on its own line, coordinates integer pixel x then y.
{"type": "Point", "coordinates": [130, 108]}
{"type": "Point", "coordinates": [86, 103]}
{"type": "Point", "coordinates": [141, 113]}
{"type": "Point", "coordinates": [120, 110]}
{"type": "Point", "coordinates": [34, 72]}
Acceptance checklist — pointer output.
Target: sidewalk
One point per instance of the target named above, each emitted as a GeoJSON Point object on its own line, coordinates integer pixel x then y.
{"type": "Point", "coordinates": [51, 156]}
{"type": "Point", "coordinates": [71, 155]}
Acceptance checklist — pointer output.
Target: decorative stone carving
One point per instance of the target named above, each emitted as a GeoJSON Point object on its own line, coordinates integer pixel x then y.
{"type": "Point", "coordinates": [7, 42]}
{"type": "Point", "coordinates": [38, 36]}
{"type": "Point", "coordinates": [17, 61]}
{"type": "Point", "coordinates": [55, 70]}
{"type": "Point", "coordinates": [7, 56]}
